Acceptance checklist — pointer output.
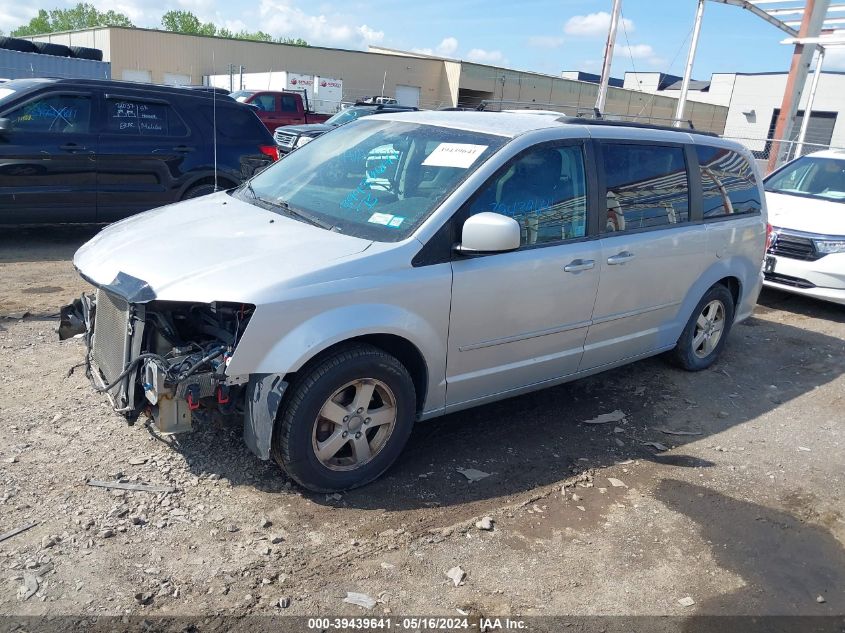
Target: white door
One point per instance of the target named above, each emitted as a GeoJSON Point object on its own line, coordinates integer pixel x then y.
{"type": "Point", "coordinates": [520, 318]}
{"type": "Point", "coordinates": [144, 76]}
{"type": "Point", "coordinates": [408, 96]}
{"type": "Point", "coordinates": [176, 79]}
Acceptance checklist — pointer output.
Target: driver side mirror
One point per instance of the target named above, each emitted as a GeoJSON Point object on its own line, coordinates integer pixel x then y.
{"type": "Point", "coordinates": [5, 125]}
{"type": "Point", "coordinates": [489, 232]}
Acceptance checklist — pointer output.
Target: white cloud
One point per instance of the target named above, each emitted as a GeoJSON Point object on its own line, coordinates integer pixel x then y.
{"type": "Point", "coordinates": [371, 36]}
{"type": "Point", "coordinates": [642, 52]}
{"type": "Point", "coordinates": [593, 24]}
{"type": "Point", "coordinates": [545, 41]}
{"type": "Point", "coordinates": [281, 18]}
{"type": "Point", "coordinates": [447, 47]}
{"type": "Point", "coordinates": [14, 15]}
{"type": "Point", "coordinates": [486, 57]}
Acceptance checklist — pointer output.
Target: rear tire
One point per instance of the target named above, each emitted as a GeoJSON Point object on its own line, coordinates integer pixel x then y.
{"type": "Point", "coordinates": [199, 190]}
{"type": "Point", "coordinates": [705, 334]}
{"type": "Point", "coordinates": [345, 419]}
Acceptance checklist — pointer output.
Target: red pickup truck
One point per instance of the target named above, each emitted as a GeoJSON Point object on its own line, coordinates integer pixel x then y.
{"type": "Point", "coordinates": [279, 108]}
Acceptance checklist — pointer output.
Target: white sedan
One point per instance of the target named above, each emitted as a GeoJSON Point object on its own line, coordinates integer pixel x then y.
{"type": "Point", "coordinates": [806, 201]}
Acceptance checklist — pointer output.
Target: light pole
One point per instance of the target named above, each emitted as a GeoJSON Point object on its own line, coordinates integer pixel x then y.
{"type": "Point", "coordinates": [601, 99]}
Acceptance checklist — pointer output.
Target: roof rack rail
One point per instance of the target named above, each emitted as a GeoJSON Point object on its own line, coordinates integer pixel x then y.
{"type": "Point", "coordinates": [645, 126]}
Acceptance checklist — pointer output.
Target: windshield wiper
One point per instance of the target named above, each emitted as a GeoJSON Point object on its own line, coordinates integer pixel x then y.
{"type": "Point", "coordinates": [296, 213]}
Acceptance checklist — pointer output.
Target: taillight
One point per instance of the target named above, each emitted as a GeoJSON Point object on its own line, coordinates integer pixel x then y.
{"type": "Point", "coordinates": [769, 235]}
{"type": "Point", "coordinates": [270, 150]}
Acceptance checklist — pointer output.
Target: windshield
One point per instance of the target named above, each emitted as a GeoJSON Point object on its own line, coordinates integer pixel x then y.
{"type": "Point", "coordinates": [345, 117]}
{"type": "Point", "coordinates": [241, 95]}
{"type": "Point", "coordinates": [811, 177]}
{"type": "Point", "coordinates": [373, 178]}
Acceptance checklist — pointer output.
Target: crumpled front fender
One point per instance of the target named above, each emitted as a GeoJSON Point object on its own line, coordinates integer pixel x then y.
{"type": "Point", "coordinates": [264, 394]}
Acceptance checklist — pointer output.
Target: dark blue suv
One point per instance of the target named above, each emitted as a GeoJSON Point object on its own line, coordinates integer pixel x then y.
{"type": "Point", "coordinates": [78, 150]}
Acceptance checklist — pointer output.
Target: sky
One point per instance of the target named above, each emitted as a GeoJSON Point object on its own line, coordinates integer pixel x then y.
{"type": "Point", "coordinates": [546, 36]}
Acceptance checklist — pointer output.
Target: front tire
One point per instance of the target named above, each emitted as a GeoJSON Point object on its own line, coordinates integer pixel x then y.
{"type": "Point", "coordinates": [345, 420]}
{"type": "Point", "coordinates": [705, 334]}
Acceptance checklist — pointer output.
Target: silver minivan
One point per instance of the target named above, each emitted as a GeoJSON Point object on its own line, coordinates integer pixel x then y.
{"type": "Point", "coordinates": [406, 266]}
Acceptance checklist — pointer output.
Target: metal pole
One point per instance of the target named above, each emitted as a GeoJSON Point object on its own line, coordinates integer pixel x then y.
{"type": "Point", "coordinates": [811, 25]}
{"type": "Point", "coordinates": [601, 99]}
{"type": "Point", "coordinates": [693, 47]}
{"type": "Point", "coordinates": [383, 81]}
{"type": "Point", "coordinates": [808, 111]}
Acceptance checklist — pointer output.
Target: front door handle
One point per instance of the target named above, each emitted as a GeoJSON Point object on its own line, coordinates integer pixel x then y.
{"type": "Point", "coordinates": [620, 258]}
{"type": "Point", "coordinates": [184, 148]}
{"type": "Point", "coordinates": [73, 147]}
{"type": "Point", "coordinates": [578, 265]}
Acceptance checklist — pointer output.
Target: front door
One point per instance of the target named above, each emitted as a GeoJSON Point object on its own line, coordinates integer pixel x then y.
{"type": "Point", "coordinates": [650, 253]}
{"type": "Point", "coordinates": [48, 160]}
{"type": "Point", "coordinates": [520, 318]}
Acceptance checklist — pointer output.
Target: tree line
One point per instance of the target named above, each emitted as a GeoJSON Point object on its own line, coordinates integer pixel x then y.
{"type": "Point", "coordinates": [86, 16]}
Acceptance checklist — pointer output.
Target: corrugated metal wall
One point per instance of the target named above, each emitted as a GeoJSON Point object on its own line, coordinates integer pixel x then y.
{"type": "Point", "coordinates": [17, 65]}
{"type": "Point", "coordinates": [133, 52]}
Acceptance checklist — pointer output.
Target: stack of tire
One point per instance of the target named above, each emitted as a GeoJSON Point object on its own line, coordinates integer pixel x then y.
{"type": "Point", "coordinates": [49, 48]}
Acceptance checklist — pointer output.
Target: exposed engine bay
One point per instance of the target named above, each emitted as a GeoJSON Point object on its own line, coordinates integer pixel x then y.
{"type": "Point", "coordinates": [163, 358]}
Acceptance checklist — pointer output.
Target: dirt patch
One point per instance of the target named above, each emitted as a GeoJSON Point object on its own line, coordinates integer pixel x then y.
{"type": "Point", "coordinates": [745, 516]}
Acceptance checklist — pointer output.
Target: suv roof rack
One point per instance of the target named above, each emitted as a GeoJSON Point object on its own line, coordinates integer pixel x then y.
{"type": "Point", "coordinates": [645, 126]}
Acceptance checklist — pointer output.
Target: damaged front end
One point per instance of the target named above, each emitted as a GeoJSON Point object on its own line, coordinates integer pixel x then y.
{"type": "Point", "coordinates": [168, 359]}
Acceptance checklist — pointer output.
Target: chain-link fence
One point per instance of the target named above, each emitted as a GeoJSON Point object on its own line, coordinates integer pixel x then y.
{"type": "Point", "coordinates": [764, 148]}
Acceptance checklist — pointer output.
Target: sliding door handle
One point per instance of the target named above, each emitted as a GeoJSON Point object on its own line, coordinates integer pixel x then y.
{"type": "Point", "coordinates": [620, 258]}
{"type": "Point", "coordinates": [578, 265]}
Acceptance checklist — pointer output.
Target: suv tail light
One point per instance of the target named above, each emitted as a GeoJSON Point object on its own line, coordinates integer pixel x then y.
{"type": "Point", "coordinates": [270, 150]}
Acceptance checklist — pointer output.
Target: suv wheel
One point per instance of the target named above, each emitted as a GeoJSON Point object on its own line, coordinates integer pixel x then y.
{"type": "Point", "coordinates": [199, 190]}
{"type": "Point", "coordinates": [345, 420]}
{"type": "Point", "coordinates": [707, 330]}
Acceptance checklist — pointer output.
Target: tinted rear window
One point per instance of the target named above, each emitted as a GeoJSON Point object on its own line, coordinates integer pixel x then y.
{"type": "Point", "coordinates": [727, 182]}
{"type": "Point", "coordinates": [237, 123]}
{"type": "Point", "coordinates": [133, 118]}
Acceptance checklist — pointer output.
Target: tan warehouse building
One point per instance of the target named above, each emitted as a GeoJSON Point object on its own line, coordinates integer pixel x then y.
{"type": "Point", "coordinates": [427, 81]}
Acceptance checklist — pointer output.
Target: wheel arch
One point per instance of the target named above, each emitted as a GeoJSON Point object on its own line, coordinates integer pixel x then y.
{"type": "Point", "coordinates": [397, 346]}
{"type": "Point", "coordinates": [223, 182]}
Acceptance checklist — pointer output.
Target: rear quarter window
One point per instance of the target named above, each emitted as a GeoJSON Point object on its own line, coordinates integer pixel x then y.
{"type": "Point", "coordinates": [727, 182]}
{"type": "Point", "coordinates": [139, 118]}
{"type": "Point", "coordinates": [237, 123]}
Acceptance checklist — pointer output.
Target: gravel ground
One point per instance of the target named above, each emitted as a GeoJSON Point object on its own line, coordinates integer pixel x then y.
{"type": "Point", "coordinates": [742, 513]}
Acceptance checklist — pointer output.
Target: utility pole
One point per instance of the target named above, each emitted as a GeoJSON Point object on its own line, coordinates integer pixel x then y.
{"type": "Point", "coordinates": [811, 24]}
{"type": "Point", "coordinates": [693, 47]}
{"type": "Point", "coordinates": [808, 111]}
{"type": "Point", "coordinates": [601, 99]}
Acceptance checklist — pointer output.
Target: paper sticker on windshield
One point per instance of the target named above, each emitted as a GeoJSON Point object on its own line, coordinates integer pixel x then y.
{"type": "Point", "coordinates": [396, 222]}
{"type": "Point", "coordinates": [454, 155]}
{"type": "Point", "coordinates": [381, 218]}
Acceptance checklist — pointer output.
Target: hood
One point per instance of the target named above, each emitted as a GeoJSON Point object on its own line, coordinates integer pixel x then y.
{"type": "Point", "coordinates": [810, 215]}
{"type": "Point", "coordinates": [213, 248]}
{"type": "Point", "coordinates": [305, 130]}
